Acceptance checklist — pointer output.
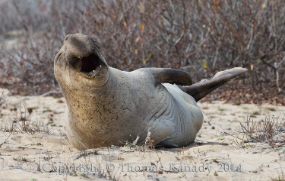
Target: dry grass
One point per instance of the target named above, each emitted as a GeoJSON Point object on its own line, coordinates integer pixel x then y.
{"type": "Point", "coordinates": [281, 177]}
{"type": "Point", "coordinates": [21, 121]}
{"type": "Point", "coordinates": [267, 130]}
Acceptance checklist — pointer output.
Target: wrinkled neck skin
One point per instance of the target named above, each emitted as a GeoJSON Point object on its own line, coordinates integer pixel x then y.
{"type": "Point", "coordinates": [98, 113]}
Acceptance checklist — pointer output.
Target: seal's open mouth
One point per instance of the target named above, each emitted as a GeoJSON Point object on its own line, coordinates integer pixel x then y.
{"type": "Point", "coordinates": [89, 66]}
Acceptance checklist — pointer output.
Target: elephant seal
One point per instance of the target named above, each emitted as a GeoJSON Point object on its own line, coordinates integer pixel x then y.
{"type": "Point", "coordinates": [107, 106]}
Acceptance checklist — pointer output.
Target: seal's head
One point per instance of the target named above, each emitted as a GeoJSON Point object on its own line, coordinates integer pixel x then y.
{"type": "Point", "coordinates": [79, 63]}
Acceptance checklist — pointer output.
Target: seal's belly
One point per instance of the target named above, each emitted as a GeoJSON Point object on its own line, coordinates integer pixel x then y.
{"type": "Point", "coordinates": [183, 121]}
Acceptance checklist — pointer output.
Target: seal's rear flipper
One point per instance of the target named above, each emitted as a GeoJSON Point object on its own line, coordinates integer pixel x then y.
{"type": "Point", "coordinates": [204, 87]}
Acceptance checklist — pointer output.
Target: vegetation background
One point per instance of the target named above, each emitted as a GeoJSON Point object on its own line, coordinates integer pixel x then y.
{"type": "Point", "coordinates": [202, 37]}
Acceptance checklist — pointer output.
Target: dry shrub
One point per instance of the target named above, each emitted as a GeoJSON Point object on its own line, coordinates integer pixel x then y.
{"type": "Point", "coordinates": [205, 36]}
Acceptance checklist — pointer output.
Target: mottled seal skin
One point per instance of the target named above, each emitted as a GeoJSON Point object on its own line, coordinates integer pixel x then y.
{"type": "Point", "coordinates": [107, 106]}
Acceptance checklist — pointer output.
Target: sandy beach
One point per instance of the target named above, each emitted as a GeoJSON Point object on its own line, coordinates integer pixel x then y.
{"type": "Point", "coordinates": [34, 147]}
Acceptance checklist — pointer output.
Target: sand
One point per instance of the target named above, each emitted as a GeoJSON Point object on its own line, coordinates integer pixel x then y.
{"type": "Point", "coordinates": [33, 146]}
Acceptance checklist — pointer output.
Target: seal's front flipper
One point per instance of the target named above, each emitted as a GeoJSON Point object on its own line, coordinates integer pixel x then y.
{"type": "Point", "coordinates": [204, 87]}
{"type": "Point", "coordinates": [168, 75]}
